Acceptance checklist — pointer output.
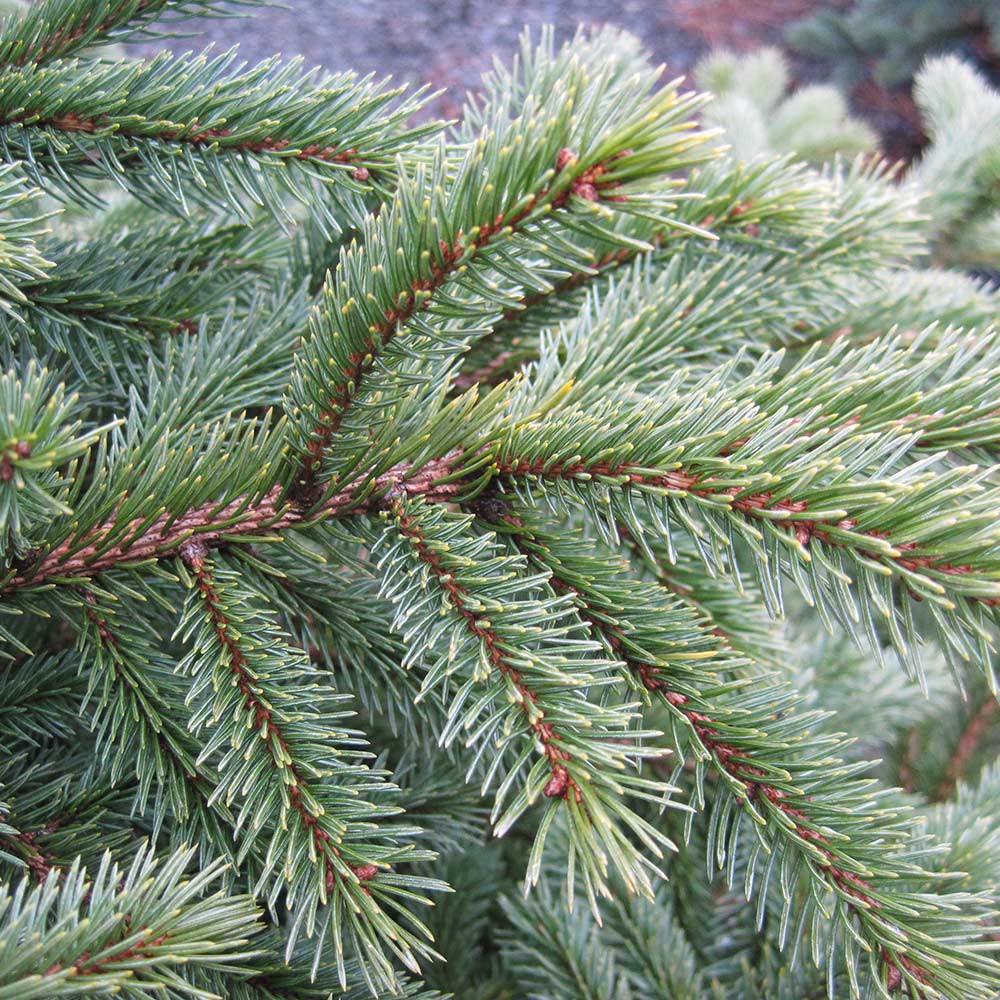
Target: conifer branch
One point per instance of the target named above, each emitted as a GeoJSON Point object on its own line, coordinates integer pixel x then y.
{"type": "Point", "coordinates": [587, 184]}
{"type": "Point", "coordinates": [787, 514]}
{"type": "Point", "coordinates": [212, 524]}
{"type": "Point", "coordinates": [561, 784]}
{"type": "Point", "coordinates": [828, 507]}
{"type": "Point", "coordinates": [123, 930]}
{"type": "Point", "coordinates": [50, 794]}
{"type": "Point", "coordinates": [194, 130]}
{"type": "Point", "coordinates": [652, 647]}
{"type": "Point", "coordinates": [756, 231]}
{"type": "Point", "coordinates": [136, 724]}
{"type": "Point", "coordinates": [968, 745]}
{"type": "Point", "coordinates": [442, 259]}
{"type": "Point", "coordinates": [510, 648]}
{"type": "Point", "coordinates": [151, 279]}
{"type": "Point", "coordinates": [414, 479]}
{"type": "Point", "coordinates": [55, 29]}
{"type": "Point", "coordinates": [195, 553]}
{"type": "Point", "coordinates": [296, 774]}
{"type": "Point", "coordinates": [21, 260]}
{"type": "Point", "coordinates": [553, 301]}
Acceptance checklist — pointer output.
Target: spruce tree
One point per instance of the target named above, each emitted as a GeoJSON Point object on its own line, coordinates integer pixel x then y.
{"type": "Point", "coordinates": [431, 552]}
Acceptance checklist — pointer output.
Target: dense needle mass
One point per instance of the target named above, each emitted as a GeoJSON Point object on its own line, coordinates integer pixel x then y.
{"type": "Point", "coordinates": [416, 541]}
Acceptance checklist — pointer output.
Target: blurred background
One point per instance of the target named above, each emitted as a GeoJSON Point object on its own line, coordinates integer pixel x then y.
{"type": "Point", "coordinates": [870, 49]}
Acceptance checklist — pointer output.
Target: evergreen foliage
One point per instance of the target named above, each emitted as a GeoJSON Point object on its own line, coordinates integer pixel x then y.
{"type": "Point", "coordinates": [550, 555]}
{"type": "Point", "coordinates": [753, 105]}
{"type": "Point", "coordinates": [890, 40]}
{"type": "Point", "coordinates": [961, 112]}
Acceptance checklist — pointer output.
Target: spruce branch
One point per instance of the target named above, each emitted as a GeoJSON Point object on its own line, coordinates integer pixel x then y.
{"type": "Point", "coordinates": [522, 208]}
{"type": "Point", "coordinates": [550, 958]}
{"type": "Point", "coordinates": [273, 496]}
{"type": "Point", "coordinates": [239, 350]}
{"type": "Point", "coordinates": [21, 260]}
{"type": "Point", "coordinates": [151, 279]}
{"type": "Point", "coordinates": [298, 778]}
{"type": "Point", "coordinates": [908, 557]}
{"type": "Point", "coordinates": [277, 980]}
{"type": "Point", "coordinates": [343, 624]}
{"type": "Point", "coordinates": [212, 524]}
{"type": "Point", "coordinates": [55, 29]}
{"type": "Point", "coordinates": [763, 205]}
{"type": "Point", "coordinates": [439, 242]}
{"type": "Point", "coordinates": [734, 609]}
{"type": "Point", "coordinates": [507, 657]}
{"type": "Point", "coordinates": [906, 299]}
{"type": "Point", "coordinates": [40, 701]}
{"type": "Point", "coordinates": [57, 818]}
{"type": "Point", "coordinates": [38, 436]}
{"type": "Point", "coordinates": [771, 224]}
{"type": "Point", "coordinates": [560, 783]}
{"type": "Point", "coordinates": [195, 130]}
{"type": "Point", "coordinates": [121, 930]}
{"type": "Point", "coordinates": [636, 950]}
{"type": "Point", "coordinates": [832, 496]}
{"type": "Point", "coordinates": [477, 873]}
{"type": "Point", "coordinates": [828, 822]}
{"type": "Point", "coordinates": [134, 693]}
{"type": "Point", "coordinates": [967, 825]}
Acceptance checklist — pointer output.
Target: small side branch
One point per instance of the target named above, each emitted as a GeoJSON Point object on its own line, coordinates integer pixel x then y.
{"type": "Point", "coordinates": [272, 738]}
{"type": "Point", "coordinates": [419, 295]}
{"type": "Point", "coordinates": [561, 784]}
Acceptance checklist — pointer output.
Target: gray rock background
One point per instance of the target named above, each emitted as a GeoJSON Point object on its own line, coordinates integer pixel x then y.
{"type": "Point", "coordinates": [448, 43]}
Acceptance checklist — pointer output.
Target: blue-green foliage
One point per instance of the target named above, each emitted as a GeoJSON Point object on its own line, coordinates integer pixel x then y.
{"type": "Point", "coordinates": [548, 556]}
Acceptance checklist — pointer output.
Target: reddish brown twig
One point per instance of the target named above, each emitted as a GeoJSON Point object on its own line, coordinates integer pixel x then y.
{"type": "Point", "coordinates": [38, 862]}
{"type": "Point", "coordinates": [976, 730]}
{"type": "Point", "coordinates": [212, 523]}
{"type": "Point", "coordinates": [71, 121]}
{"type": "Point", "coordinates": [59, 38]}
{"type": "Point", "coordinates": [113, 644]}
{"type": "Point", "coordinates": [738, 763]}
{"type": "Point", "coordinates": [561, 784]}
{"type": "Point", "coordinates": [195, 554]}
{"type": "Point", "coordinates": [905, 555]}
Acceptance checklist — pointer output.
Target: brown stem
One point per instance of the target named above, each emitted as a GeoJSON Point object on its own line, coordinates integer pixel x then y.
{"type": "Point", "coordinates": [112, 642]}
{"type": "Point", "coordinates": [969, 742]}
{"type": "Point", "coordinates": [561, 784]}
{"type": "Point", "coordinates": [907, 776]}
{"type": "Point", "coordinates": [738, 763]}
{"type": "Point", "coordinates": [83, 966]}
{"type": "Point", "coordinates": [195, 554]}
{"type": "Point", "coordinates": [489, 374]}
{"type": "Point", "coordinates": [612, 260]}
{"type": "Point", "coordinates": [59, 39]}
{"type": "Point", "coordinates": [906, 555]}
{"type": "Point", "coordinates": [212, 523]}
{"type": "Point", "coordinates": [70, 121]}
{"type": "Point", "coordinates": [39, 863]}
